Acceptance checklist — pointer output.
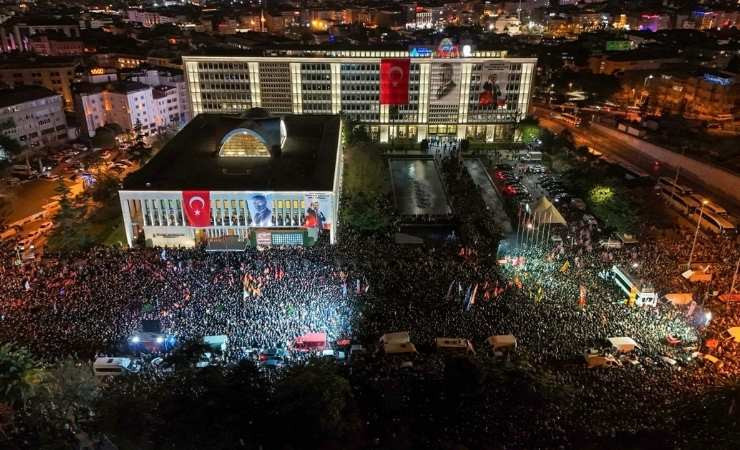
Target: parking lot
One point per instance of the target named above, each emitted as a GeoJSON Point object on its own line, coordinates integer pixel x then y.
{"type": "Point", "coordinates": [31, 191]}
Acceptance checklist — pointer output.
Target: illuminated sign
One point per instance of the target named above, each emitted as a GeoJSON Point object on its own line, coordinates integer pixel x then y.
{"type": "Point", "coordinates": [97, 71]}
{"type": "Point", "coordinates": [716, 79]}
{"type": "Point", "coordinates": [421, 52]}
{"type": "Point", "coordinates": [446, 49]}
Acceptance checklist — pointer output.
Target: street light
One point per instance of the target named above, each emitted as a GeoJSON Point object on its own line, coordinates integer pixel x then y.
{"type": "Point", "coordinates": [645, 80]}
{"type": "Point", "coordinates": [696, 233]}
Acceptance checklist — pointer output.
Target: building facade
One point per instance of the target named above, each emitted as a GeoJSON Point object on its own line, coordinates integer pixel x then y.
{"type": "Point", "coordinates": [230, 181]}
{"type": "Point", "coordinates": [55, 76]}
{"type": "Point", "coordinates": [452, 90]}
{"type": "Point", "coordinates": [707, 96]}
{"type": "Point", "coordinates": [33, 116]}
{"type": "Point", "coordinates": [128, 103]}
{"type": "Point", "coordinates": [16, 35]}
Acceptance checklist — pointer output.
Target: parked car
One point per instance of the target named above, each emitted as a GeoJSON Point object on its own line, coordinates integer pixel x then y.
{"type": "Point", "coordinates": [46, 226]}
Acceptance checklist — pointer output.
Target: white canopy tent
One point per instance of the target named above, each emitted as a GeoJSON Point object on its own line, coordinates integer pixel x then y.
{"type": "Point", "coordinates": [623, 344]}
{"type": "Point", "coordinates": [546, 212]}
{"type": "Point", "coordinates": [399, 337]}
{"type": "Point", "coordinates": [678, 299]}
{"type": "Point", "coordinates": [502, 341]}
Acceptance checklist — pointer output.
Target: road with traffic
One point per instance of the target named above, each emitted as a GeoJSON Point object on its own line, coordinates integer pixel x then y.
{"type": "Point", "coordinates": [618, 151]}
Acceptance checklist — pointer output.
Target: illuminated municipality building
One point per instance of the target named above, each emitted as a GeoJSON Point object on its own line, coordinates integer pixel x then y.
{"type": "Point", "coordinates": [414, 93]}
{"type": "Point", "coordinates": [230, 181]}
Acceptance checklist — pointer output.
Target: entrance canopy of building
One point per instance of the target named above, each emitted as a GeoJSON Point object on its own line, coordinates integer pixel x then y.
{"type": "Point", "coordinates": [546, 212]}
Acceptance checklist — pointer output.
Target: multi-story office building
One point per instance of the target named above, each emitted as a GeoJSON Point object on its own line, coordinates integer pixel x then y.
{"type": "Point", "coordinates": [53, 75]}
{"type": "Point", "coordinates": [448, 89]}
{"type": "Point", "coordinates": [33, 116]}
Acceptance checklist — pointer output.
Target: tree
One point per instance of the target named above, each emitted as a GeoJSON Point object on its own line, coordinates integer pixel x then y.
{"type": "Point", "coordinates": [318, 388]}
{"type": "Point", "coordinates": [105, 188]}
{"type": "Point", "coordinates": [530, 130]}
{"type": "Point", "coordinates": [362, 213]}
{"type": "Point", "coordinates": [21, 376]}
{"type": "Point", "coordinates": [6, 208]}
{"type": "Point", "coordinates": [9, 147]}
{"type": "Point", "coordinates": [104, 137]}
{"type": "Point", "coordinates": [365, 170]}
{"type": "Point", "coordinates": [70, 390]}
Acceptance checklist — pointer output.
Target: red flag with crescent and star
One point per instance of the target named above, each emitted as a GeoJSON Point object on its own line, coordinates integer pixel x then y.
{"type": "Point", "coordinates": [394, 81]}
{"type": "Point", "coordinates": [197, 207]}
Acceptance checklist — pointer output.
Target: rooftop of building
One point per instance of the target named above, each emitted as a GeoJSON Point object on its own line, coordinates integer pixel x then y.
{"type": "Point", "coordinates": [23, 94]}
{"type": "Point", "coordinates": [121, 87]}
{"type": "Point", "coordinates": [10, 62]}
{"type": "Point", "coordinates": [192, 160]}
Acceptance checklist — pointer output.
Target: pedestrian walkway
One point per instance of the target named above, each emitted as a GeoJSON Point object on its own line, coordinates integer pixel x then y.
{"type": "Point", "coordinates": [480, 177]}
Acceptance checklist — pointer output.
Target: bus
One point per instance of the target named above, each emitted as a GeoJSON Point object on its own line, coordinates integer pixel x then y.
{"type": "Point", "coordinates": [669, 186]}
{"type": "Point", "coordinates": [711, 206]}
{"type": "Point", "coordinates": [646, 295]}
{"type": "Point", "coordinates": [714, 223]}
{"type": "Point", "coordinates": [571, 119]}
{"type": "Point", "coordinates": [683, 203]}
{"type": "Point", "coordinates": [633, 172]}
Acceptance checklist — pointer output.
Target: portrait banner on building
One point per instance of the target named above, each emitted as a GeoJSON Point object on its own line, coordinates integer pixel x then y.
{"type": "Point", "coordinates": [289, 210]}
{"type": "Point", "coordinates": [445, 83]}
{"type": "Point", "coordinates": [493, 78]}
{"type": "Point", "coordinates": [318, 211]}
{"type": "Point", "coordinates": [394, 81]}
{"type": "Point", "coordinates": [197, 207]}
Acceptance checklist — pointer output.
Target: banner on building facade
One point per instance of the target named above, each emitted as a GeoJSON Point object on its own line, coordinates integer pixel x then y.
{"type": "Point", "coordinates": [318, 211]}
{"type": "Point", "coordinates": [197, 207]}
{"type": "Point", "coordinates": [394, 81]}
{"type": "Point", "coordinates": [493, 80]}
{"type": "Point", "coordinates": [270, 210]}
{"type": "Point", "coordinates": [445, 83]}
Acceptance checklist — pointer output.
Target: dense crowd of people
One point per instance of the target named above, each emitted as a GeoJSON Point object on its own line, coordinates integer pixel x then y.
{"type": "Point", "coordinates": [555, 298]}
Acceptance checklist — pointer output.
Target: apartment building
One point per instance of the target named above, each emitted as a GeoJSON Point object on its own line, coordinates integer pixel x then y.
{"type": "Point", "coordinates": [33, 116]}
{"type": "Point", "coordinates": [51, 74]}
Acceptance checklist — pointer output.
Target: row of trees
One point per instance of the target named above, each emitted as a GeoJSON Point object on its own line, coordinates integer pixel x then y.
{"type": "Point", "coordinates": [42, 405]}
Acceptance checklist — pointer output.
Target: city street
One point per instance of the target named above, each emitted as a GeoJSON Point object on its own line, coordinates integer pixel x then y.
{"type": "Point", "coordinates": [585, 135]}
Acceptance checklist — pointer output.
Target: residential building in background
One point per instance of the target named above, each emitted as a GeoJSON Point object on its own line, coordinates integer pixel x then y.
{"type": "Point", "coordinates": [33, 116]}
{"type": "Point", "coordinates": [708, 96]}
{"type": "Point", "coordinates": [128, 103]}
{"type": "Point", "coordinates": [56, 45]}
{"type": "Point", "coordinates": [56, 75]}
{"type": "Point", "coordinates": [16, 35]}
{"type": "Point", "coordinates": [451, 90]}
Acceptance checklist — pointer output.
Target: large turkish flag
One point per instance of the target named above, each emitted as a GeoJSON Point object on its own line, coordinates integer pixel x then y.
{"type": "Point", "coordinates": [197, 206]}
{"type": "Point", "coordinates": [394, 81]}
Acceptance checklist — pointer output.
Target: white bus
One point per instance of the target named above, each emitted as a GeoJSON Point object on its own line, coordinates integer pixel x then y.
{"type": "Point", "coordinates": [646, 295]}
{"type": "Point", "coordinates": [684, 203]}
{"type": "Point", "coordinates": [714, 223]}
{"type": "Point", "coordinates": [711, 207]}
{"type": "Point", "coordinates": [633, 172]}
{"type": "Point", "coordinates": [668, 185]}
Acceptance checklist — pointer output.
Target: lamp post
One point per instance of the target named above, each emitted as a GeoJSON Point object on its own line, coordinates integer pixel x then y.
{"type": "Point", "coordinates": [645, 80]}
{"type": "Point", "coordinates": [696, 233]}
